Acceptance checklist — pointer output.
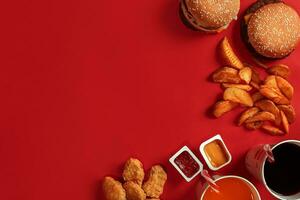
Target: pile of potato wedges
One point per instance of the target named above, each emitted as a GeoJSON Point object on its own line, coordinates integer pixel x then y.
{"type": "Point", "coordinates": [267, 102]}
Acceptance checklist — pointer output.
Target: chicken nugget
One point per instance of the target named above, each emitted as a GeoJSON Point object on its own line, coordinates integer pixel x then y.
{"type": "Point", "coordinates": [154, 186]}
{"type": "Point", "coordinates": [134, 191]}
{"type": "Point", "coordinates": [134, 171]}
{"type": "Point", "coordinates": [113, 189]}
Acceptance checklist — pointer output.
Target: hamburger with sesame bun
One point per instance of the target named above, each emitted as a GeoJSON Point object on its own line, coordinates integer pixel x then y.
{"type": "Point", "coordinates": [208, 15]}
{"type": "Point", "coordinates": [271, 29]}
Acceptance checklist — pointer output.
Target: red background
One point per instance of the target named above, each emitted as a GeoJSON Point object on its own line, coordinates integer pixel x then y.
{"type": "Point", "coordinates": [87, 84]}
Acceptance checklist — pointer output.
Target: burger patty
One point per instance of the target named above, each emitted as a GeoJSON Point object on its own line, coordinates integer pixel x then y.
{"type": "Point", "coordinates": [182, 16]}
{"type": "Point", "coordinates": [244, 25]}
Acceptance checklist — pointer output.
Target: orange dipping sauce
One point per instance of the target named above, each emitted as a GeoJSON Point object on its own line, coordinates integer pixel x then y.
{"type": "Point", "coordinates": [216, 153]}
{"type": "Point", "coordinates": [230, 188]}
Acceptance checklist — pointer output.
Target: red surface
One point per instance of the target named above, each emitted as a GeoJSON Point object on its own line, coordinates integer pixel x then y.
{"type": "Point", "coordinates": [87, 84]}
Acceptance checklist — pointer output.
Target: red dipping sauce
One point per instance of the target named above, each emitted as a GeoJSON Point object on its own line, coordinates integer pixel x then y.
{"type": "Point", "coordinates": [187, 164]}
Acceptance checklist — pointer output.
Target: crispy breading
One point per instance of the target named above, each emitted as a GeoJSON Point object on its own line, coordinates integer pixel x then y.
{"type": "Point", "coordinates": [134, 171]}
{"type": "Point", "coordinates": [154, 186]}
{"type": "Point", "coordinates": [113, 189]}
{"type": "Point", "coordinates": [134, 191]}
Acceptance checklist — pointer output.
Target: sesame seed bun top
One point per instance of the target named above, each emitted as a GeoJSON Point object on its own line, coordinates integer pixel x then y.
{"type": "Point", "coordinates": [213, 13]}
{"type": "Point", "coordinates": [274, 30]}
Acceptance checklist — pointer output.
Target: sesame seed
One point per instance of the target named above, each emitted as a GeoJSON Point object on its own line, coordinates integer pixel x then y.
{"type": "Point", "coordinates": [274, 30]}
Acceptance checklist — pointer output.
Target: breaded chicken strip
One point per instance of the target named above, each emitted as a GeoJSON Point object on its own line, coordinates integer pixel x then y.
{"type": "Point", "coordinates": [134, 191]}
{"type": "Point", "coordinates": [113, 190]}
{"type": "Point", "coordinates": [154, 186]}
{"type": "Point", "coordinates": [134, 171]}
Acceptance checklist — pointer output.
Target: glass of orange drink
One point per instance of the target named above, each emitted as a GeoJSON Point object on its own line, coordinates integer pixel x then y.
{"type": "Point", "coordinates": [230, 188]}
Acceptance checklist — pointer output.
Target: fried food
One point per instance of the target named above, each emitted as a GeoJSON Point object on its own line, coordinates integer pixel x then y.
{"type": "Point", "coordinates": [228, 56]}
{"type": "Point", "coordinates": [226, 75]}
{"type": "Point", "coordinates": [246, 74]}
{"type": "Point", "coordinates": [255, 77]}
{"type": "Point", "coordinates": [269, 100]}
{"type": "Point", "coordinates": [254, 125]}
{"type": "Point", "coordinates": [257, 96]}
{"type": "Point", "coordinates": [261, 116]}
{"type": "Point", "coordinates": [254, 85]}
{"type": "Point", "coordinates": [134, 171]}
{"type": "Point", "coordinates": [222, 107]}
{"type": "Point", "coordinates": [250, 112]}
{"type": "Point", "coordinates": [272, 130]}
{"type": "Point", "coordinates": [245, 87]}
{"type": "Point", "coordinates": [113, 189]}
{"type": "Point", "coordinates": [154, 186]}
{"type": "Point", "coordinates": [289, 112]}
{"type": "Point", "coordinates": [268, 105]}
{"type": "Point", "coordinates": [285, 87]}
{"type": "Point", "coordinates": [271, 82]}
{"type": "Point", "coordinates": [274, 95]}
{"type": "Point", "coordinates": [277, 89]}
{"type": "Point", "coordinates": [152, 199]}
{"type": "Point", "coordinates": [238, 96]}
{"type": "Point", "coordinates": [280, 70]}
{"type": "Point", "coordinates": [134, 191]}
{"type": "Point", "coordinates": [285, 122]}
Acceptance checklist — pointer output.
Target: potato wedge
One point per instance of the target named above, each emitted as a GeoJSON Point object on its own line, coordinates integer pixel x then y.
{"type": "Point", "coordinates": [271, 82]}
{"type": "Point", "coordinates": [257, 96]}
{"type": "Point", "coordinates": [273, 94]}
{"type": "Point", "coordinates": [272, 130]}
{"type": "Point", "coordinates": [255, 77]}
{"type": "Point", "coordinates": [280, 70]}
{"type": "Point", "coordinates": [285, 122]}
{"type": "Point", "coordinates": [246, 74]}
{"type": "Point", "coordinates": [289, 112]}
{"type": "Point", "coordinates": [240, 86]}
{"type": "Point", "coordinates": [254, 125]}
{"type": "Point", "coordinates": [228, 56]}
{"type": "Point", "coordinates": [285, 87]}
{"type": "Point", "coordinates": [250, 112]}
{"type": "Point", "coordinates": [226, 75]}
{"type": "Point", "coordinates": [261, 116]}
{"type": "Point", "coordinates": [238, 96]}
{"type": "Point", "coordinates": [254, 85]}
{"type": "Point", "coordinates": [269, 106]}
{"type": "Point", "coordinates": [222, 107]}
